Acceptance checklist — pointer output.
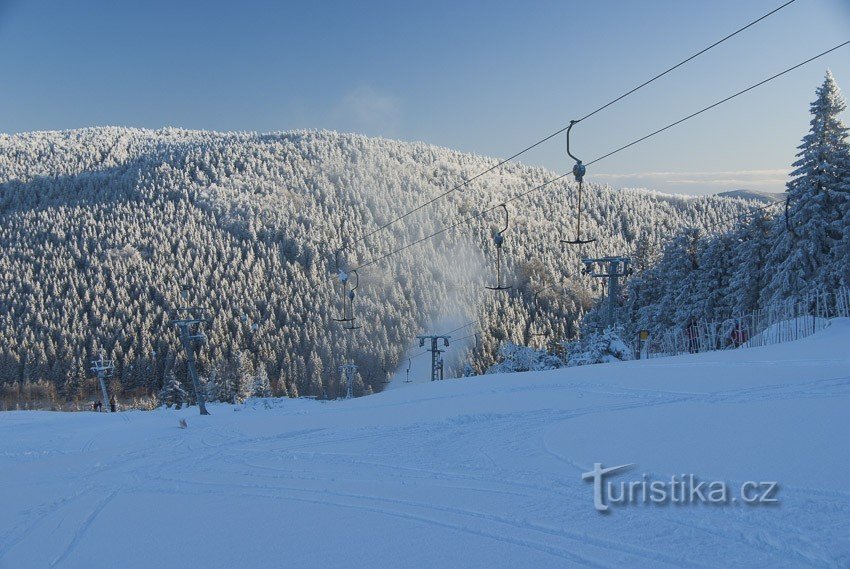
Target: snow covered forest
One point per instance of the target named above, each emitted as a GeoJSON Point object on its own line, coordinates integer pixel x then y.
{"type": "Point", "coordinates": [772, 256]}
{"type": "Point", "coordinates": [99, 228]}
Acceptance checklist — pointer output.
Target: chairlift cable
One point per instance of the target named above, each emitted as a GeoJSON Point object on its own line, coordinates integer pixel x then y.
{"type": "Point", "coordinates": [564, 129]}
{"type": "Point", "coordinates": [477, 215]}
{"type": "Point", "coordinates": [718, 103]}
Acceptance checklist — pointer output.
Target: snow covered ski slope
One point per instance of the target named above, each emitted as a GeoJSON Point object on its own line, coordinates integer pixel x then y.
{"type": "Point", "coordinates": [482, 472]}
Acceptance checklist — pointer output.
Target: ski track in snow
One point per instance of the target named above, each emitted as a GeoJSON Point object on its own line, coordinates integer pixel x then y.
{"type": "Point", "coordinates": [82, 528]}
{"type": "Point", "coordinates": [489, 459]}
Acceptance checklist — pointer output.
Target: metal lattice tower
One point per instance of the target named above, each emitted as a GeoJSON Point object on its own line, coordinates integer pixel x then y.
{"type": "Point", "coordinates": [348, 371]}
{"type": "Point", "coordinates": [189, 321]}
{"type": "Point", "coordinates": [612, 268]}
{"type": "Point", "coordinates": [436, 357]}
{"type": "Point", "coordinates": [103, 369]}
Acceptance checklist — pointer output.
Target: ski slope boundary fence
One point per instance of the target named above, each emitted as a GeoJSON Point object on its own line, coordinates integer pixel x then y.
{"type": "Point", "coordinates": [778, 322]}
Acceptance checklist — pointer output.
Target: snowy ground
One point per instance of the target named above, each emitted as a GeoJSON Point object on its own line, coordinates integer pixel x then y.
{"type": "Point", "coordinates": [482, 472]}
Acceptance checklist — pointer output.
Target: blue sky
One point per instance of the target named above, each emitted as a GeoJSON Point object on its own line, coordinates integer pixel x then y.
{"type": "Point", "coordinates": [483, 77]}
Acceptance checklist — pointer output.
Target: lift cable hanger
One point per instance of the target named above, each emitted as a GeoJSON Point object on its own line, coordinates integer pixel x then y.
{"type": "Point", "coordinates": [343, 279]}
{"type": "Point", "coordinates": [477, 215]}
{"type": "Point", "coordinates": [499, 239]}
{"type": "Point", "coordinates": [562, 130]}
{"type": "Point", "coordinates": [350, 325]}
{"type": "Point", "coordinates": [578, 171]}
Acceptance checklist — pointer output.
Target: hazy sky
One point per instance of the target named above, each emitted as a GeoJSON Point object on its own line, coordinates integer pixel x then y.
{"type": "Point", "coordinates": [483, 77]}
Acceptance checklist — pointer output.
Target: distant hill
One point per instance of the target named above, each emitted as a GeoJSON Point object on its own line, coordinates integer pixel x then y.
{"type": "Point", "coordinates": [766, 197]}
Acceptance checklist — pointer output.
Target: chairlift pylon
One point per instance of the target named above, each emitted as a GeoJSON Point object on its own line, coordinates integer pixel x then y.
{"type": "Point", "coordinates": [499, 240]}
{"type": "Point", "coordinates": [407, 377]}
{"type": "Point", "coordinates": [579, 171]}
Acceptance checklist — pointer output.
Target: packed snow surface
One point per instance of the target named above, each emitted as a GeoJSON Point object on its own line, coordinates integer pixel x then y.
{"type": "Point", "coordinates": [480, 472]}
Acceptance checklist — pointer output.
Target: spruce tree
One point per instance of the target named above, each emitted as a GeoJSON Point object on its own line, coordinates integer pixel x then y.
{"type": "Point", "coordinates": [172, 392]}
{"type": "Point", "coordinates": [211, 385]}
{"type": "Point", "coordinates": [261, 387]}
{"type": "Point", "coordinates": [812, 226]}
{"type": "Point", "coordinates": [281, 387]}
{"type": "Point", "coordinates": [244, 377]}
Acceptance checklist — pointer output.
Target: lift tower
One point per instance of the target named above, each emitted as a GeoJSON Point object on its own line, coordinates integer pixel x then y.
{"type": "Point", "coordinates": [103, 369]}
{"type": "Point", "coordinates": [436, 353]}
{"type": "Point", "coordinates": [612, 268]}
{"type": "Point", "coordinates": [189, 321]}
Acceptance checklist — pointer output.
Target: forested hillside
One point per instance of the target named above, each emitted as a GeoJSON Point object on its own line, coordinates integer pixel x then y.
{"type": "Point", "coordinates": [100, 226]}
{"type": "Point", "coordinates": [777, 255]}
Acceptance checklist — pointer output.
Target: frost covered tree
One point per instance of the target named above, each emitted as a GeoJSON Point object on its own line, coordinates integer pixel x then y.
{"type": "Point", "coordinates": [261, 387]}
{"type": "Point", "coordinates": [839, 266]}
{"type": "Point", "coordinates": [222, 380]}
{"type": "Point", "coordinates": [280, 387]}
{"type": "Point", "coordinates": [172, 392]}
{"type": "Point", "coordinates": [817, 202]}
{"type": "Point", "coordinates": [515, 358]}
{"type": "Point", "coordinates": [234, 379]}
{"type": "Point", "coordinates": [211, 386]}
{"type": "Point", "coordinates": [605, 346]}
{"type": "Point", "coordinates": [245, 377]}
{"type": "Point", "coordinates": [748, 277]}
{"type": "Point", "coordinates": [315, 370]}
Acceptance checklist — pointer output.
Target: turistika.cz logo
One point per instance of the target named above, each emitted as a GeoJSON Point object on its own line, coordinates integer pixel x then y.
{"type": "Point", "coordinates": [679, 489]}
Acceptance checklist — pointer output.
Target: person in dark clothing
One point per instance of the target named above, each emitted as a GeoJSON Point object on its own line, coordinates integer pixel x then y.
{"type": "Point", "coordinates": [112, 404]}
{"type": "Point", "coordinates": [98, 406]}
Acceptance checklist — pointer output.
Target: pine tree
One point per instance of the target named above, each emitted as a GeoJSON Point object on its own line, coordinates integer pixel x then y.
{"type": "Point", "coordinates": [746, 284]}
{"type": "Point", "coordinates": [816, 196]}
{"type": "Point", "coordinates": [282, 390]}
{"type": "Point", "coordinates": [599, 347]}
{"type": "Point", "coordinates": [315, 375]}
{"type": "Point", "coordinates": [244, 377]}
{"type": "Point", "coordinates": [261, 387]}
{"type": "Point", "coordinates": [712, 298]}
{"type": "Point", "coordinates": [211, 386]}
{"type": "Point", "coordinates": [226, 381]}
{"type": "Point", "coordinates": [172, 393]}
